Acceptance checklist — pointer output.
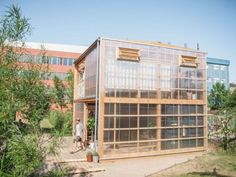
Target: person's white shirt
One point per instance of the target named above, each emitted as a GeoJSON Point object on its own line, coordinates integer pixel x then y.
{"type": "Point", "coordinates": [79, 130]}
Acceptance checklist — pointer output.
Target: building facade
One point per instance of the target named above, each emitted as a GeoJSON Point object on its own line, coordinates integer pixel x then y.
{"type": "Point", "coordinates": [60, 58]}
{"type": "Point", "coordinates": [147, 98]}
{"type": "Point", "coordinates": [217, 71]}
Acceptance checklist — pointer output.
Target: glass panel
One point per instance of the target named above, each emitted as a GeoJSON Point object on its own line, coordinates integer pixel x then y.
{"type": "Point", "coordinates": [187, 109]}
{"type": "Point", "coordinates": [169, 133]}
{"type": "Point", "coordinates": [200, 109]}
{"type": "Point", "coordinates": [188, 120]}
{"type": "Point", "coordinates": [147, 146]}
{"type": "Point", "coordinates": [165, 94]}
{"type": "Point", "coordinates": [200, 142]}
{"type": "Point", "coordinates": [108, 148]}
{"type": "Point", "coordinates": [175, 94]}
{"type": "Point", "coordinates": [108, 136]}
{"type": "Point", "coordinates": [148, 94]}
{"type": "Point", "coordinates": [187, 132]}
{"type": "Point", "coordinates": [126, 109]}
{"type": "Point", "coordinates": [108, 122]}
{"type": "Point", "coordinates": [169, 121]}
{"type": "Point", "coordinates": [199, 95]}
{"type": "Point", "coordinates": [126, 135]}
{"type": "Point", "coordinates": [147, 122]}
{"type": "Point", "coordinates": [109, 108]}
{"type": "Point", "coordinates": [126, 147]}
{"type": "Point", "coordinates": [187, 143]}
{"type": "Point", "coordinates": [173, 144]}
{"type": "Point", "coordinates": [169, 109]}
{"type": "Point", "coordinates": [200, 120]}
{"type": "Point", "coordinates": [148, 109]}
{"type": "Point", "coordinates": [148, 134]}
{"type": "Point", "coordinates": [126, 122]}
{"type": "Point", "coordinates": [200, 132]}
{"type": "Point", "coordinates": [110, 92]}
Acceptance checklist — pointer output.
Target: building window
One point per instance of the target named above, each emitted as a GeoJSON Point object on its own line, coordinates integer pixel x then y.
{"type": "Point", "coordinates": [222, 68]}
{"type": "Point", "coordinates": [216, 67]}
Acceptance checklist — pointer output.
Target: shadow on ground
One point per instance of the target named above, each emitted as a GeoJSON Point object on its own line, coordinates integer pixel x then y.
{"type": "Point", "coordinates": [207, 174]}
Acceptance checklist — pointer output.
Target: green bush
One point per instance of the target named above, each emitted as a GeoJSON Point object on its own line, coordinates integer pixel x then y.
{"type": "Point", "coordinates": [61, 121]}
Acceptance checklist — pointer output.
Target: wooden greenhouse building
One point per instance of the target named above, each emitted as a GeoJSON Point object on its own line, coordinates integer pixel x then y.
{"type": "Point", "coordinates": [147, 98]}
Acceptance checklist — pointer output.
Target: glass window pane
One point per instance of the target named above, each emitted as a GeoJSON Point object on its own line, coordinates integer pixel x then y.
{"type": "Point", "coordinates": [126, 122]}
{"type": "Point", "coordinates": [126, 135]}
{"type": "Point", "coordinates": [147, 122]}
{"type": "Point", "coordinates": [169, 133]}
{"type": "Point", "coordinates": [200, 120]}
{"type": "Point", "coordinates": [108, 122]}
{"type": "Point", "coordinates": [108, 136]}
{"type": "Point", "coordinates": [187, 143]}
{"type": "Point", "coordinates": [173, 144]}
{"type": "Point", "coordinates": [149, 134]}
{"type": "Point", "coordinates": [169, 121]}
{"type": "Point", "coordinates": [187, 132]}
{"type": "Point", "coordinates": [109, 108]}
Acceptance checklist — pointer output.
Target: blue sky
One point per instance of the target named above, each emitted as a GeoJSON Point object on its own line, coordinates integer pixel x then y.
{"type": "Point", "coordinates": [211, 23]}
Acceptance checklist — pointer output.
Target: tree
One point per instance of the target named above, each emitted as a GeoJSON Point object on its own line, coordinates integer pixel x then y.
{"type": "Point", "coordinates": [218, 96]}
{"type": "Point", "coordinates": [222, 127]}
{"type": "Point", "coordinates": [59, 92]}
{"type": "Point", "coordinates": [70, 88]}
{"type": "Point", "coordinates": [231, 101]}
{"type": "Point", "coordinates": [22, 95]}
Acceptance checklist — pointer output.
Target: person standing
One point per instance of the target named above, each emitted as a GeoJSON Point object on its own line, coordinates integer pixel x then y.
{"type": "Point", "coordinates": [79, 136]}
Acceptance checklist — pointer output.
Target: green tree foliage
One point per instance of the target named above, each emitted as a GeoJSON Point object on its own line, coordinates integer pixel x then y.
{"type": "Point", "coordinates": [22, 95]}
{"type": "Point", "coordinates": [222, 124]}
{"type": "Point", "coordinates": [231, 101]}
{"type": "Point", "coordinates": [218, 96]}
{"type": "Point", "coordinates": [222, 127]}
{"type": "Point", "coordinates": [70, 88]}
{"type": "Point", "coordinates": [59, 91]}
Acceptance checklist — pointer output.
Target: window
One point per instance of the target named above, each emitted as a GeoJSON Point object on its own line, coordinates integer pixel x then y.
{"type": "Point", "coordinates": [148, 109]}
{"type": "Point", "coordinates": [169, 133]}
{"type": "Point", "coordinates": [108, 136]}
{"type": "Point", "coordinates": [187, 132]}
{"type": "Point", "coordinates": [187, 143]}
{"type": "Point", "coordinates": [169, 144]}
{"type": "Point", "coordinates": [148, 134]}
{"type": "Point", "coordinates": [216, 67]}
{"type": "Point", "coordinates": [222, 68]}
{"type": "Point", "coordinates": [108, 122]}
{"type": "Point", "coordinates": [126, 122]}
{"type": "Point", "coordinates": [109, 108]}
{"type": "Point", "coordinates": [126, 135]}
{"type": "Point", "coordinates": [169, 121]}
{"type": "Point", "coordinates": [187, 120]}
{"type": "Point", "coordinates": [169, 109]}
{"type": "Point", "coordinates": [126, 109]}
{"type": "Point", "coordinates": [147, 122]}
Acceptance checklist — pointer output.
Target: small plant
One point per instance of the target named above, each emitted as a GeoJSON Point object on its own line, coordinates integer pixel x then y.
{"type": "Point", "coordinates": [95, 153]}
{"type": "Point", "coordinates": [91, 123]}
{"type": "Point", "coordinates": [95, 157]}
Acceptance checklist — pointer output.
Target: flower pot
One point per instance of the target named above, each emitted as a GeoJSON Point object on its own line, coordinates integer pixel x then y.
{"type": "Point", "coordinates": [96, 159]}
{"type": "Point", "coordinates": [89, 158]}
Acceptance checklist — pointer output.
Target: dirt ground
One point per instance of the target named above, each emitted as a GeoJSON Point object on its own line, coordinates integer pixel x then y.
{"type": "Point", "coordinates": [208, 165]}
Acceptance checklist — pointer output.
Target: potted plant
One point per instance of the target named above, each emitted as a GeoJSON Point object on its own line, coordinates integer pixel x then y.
{"type": "Point", "coordinates": [95, 157]}
{"type": "Point", "coordinates": [89, 156]}
{"type": "Point", "coordinates": [91, 126]}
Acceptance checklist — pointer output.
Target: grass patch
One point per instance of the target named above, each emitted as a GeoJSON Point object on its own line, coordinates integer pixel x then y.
{"type": "Point", "coordinates": [217, 164]}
